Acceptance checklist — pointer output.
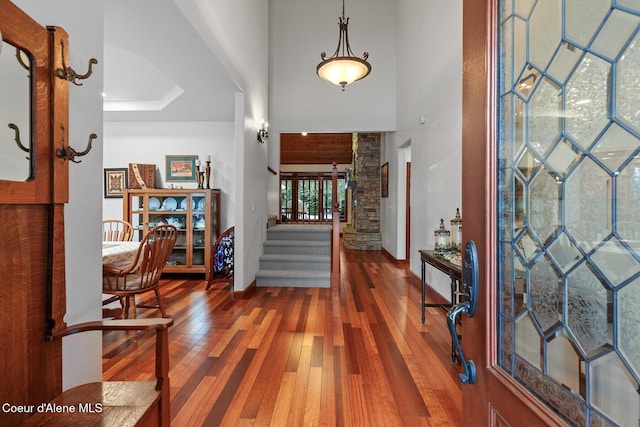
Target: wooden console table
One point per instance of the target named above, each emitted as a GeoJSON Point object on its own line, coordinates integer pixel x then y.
{"type": "Point", "coordinates": [452, 270]}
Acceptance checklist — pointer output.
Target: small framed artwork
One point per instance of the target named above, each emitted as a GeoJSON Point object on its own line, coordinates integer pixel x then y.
{"type": "Point", "coordinates": [181, 168]}
{"type": "Point", "coordinates": [115, 181]}
{"type": "Point", "coordinates": [384, 180]}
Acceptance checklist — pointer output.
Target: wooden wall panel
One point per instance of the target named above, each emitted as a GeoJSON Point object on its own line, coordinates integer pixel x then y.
{"type": "Point", "coordinates": [315, 148]}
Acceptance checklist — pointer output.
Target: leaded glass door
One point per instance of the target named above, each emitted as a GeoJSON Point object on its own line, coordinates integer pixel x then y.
{"type": "Point", "coordinates": [558, 339]}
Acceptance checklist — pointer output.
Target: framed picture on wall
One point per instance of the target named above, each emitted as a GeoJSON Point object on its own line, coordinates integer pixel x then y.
{"type": "Point", "coordinates": [384, 180]}
{"type": "Point", "coordinates": [181, 168]}
{"type": "Point", "coordinates": [115, 181]}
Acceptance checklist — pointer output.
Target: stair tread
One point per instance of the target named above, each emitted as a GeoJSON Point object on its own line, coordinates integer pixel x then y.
{"type": "Point", "coordinates": [293, 273]}
{"type": "Point", "coordinates": [295, 257]}
{"type": "Point", "coordinates": [285, 242]}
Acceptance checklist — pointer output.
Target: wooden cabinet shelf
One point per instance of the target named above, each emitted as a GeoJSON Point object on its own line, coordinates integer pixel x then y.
{"type": "Point", "coordinates": [195, 213]}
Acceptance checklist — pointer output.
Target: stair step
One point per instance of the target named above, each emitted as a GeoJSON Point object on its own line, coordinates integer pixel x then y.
{"type": "Point", "coordinates": [297, 247]}
{"type": "Point", "coordinates": [294, 262]}
{"type": "Point", "coordinates": [301, 232]}
{"type": "Point", "coordinates": [293, 278]}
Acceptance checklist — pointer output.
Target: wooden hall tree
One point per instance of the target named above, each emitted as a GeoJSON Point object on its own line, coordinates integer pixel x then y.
{"type": "Point", "coordinates": [32, 292]}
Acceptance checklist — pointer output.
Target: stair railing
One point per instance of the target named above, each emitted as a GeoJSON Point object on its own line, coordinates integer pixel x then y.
{"type": "Point", "coordinates": [335, 230]}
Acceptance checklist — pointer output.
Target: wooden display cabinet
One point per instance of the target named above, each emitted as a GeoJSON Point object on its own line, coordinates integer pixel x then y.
{"type": "Point", "coordinates": [195, 213]}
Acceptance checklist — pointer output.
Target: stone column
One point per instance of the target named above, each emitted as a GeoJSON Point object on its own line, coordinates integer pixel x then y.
{"type": "Point", "coordinates": [365, 235]}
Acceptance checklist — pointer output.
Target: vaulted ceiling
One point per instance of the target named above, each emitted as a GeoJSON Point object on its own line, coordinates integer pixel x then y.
{"type": "Point", "coordinates": [157, 68]}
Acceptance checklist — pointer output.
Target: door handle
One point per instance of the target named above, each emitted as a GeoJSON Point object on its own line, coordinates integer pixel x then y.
{"type": "Point", "coordinates": [469, 296]}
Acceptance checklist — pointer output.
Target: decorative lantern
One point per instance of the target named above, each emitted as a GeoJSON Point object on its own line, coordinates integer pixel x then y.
{"type": "Point", "coordinates": [442, 239]}
{"type": "Point", "coordinates": [456, 232]}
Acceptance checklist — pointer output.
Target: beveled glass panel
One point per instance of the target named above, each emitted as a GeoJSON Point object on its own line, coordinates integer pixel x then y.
{"type": "Point", "coordinates": [566, 58]}
{"type": "Point", "coordinates": [520, 287]}
{"type": "Point", "coordinates": [583, 17]}
{"type": "Point", "coordinates": [572, 192]}
{"type": "Point", "coordinates": [519, 205]}
{"type": "Point", "coordinates": [506, 345]}
{"type": "Point", "coordinates": [615, 147]}
{"type": "Point", "coordinates": [615, 262]}
{"type": "Point", "coordinates": [15, 114]}
{"type": "Point", "coordinates": [528, 341]}
{"type": "Point", "coordinates": [563, 157]}
{"type": "Point", "coordinates": [545, 293]}
{"type": "Point", "coordinates": [589, 308]}
{"type": "Point", "coordinates": [564, 252]}
{"type": "Point", "coordinates": [519, 47]}
{"type": "Point", "coordinates": [544, 116]}
{"type": "Point", "coordinates": [527, 247]}
{"type": "Point", "coordinates": [546, 23]}
{"type": "Point", "coordinates": [613, 390]}
{"type": "Point", "coordinates": [628, 204]}
{"type": "Point", "coordinates": [628, 320]}
{"type": "Point", "coordinates": [527, 81]}
{"type": "Point", "coordinates": [627, 83]}
{"type": "Point", "coordinates": [633, 4]}
{"type": "Point", "coordinates": [519, 125]}
{"type": "Point", "coordinates": [564, 363]}
{"type": "Point", "coordinates": [507, 283]}
{"type": "Point", "coordinates": [588, 197]}
{"type": "Point", "coordinates": [614, 34]}
{"type": "Point", "coordinates": [523, 7]}
{"type": "Point", "coordinates": [528, 164]}
{"type": "Point", "coordinates": [587, 100]}
{"type": "Point", "coordinates": [507, 45]}
{"type": "Point", "coordinates": [544, 200]}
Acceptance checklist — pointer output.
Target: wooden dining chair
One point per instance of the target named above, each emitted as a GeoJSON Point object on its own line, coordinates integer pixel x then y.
{"type": "Point", "coordinates": [143, 274]}
{"type": "Point", "coordinates": [221, 263]}
{"type": "Point", "coordinates": [115, 230]}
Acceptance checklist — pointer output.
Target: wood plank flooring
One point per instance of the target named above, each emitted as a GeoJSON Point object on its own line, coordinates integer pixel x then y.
{"type": "Point", "coordinates": [354, 356]}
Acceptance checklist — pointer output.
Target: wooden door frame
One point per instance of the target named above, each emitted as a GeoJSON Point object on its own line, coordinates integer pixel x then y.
{"type": "Point", "coordinates": [495, 394]}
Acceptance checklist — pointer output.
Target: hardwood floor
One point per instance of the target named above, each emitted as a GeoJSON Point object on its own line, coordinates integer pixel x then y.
{"type": "Point", "coordinates": [354, 356]}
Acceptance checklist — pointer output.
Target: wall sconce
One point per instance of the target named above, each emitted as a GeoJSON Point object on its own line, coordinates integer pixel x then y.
{"type": "Point", "coordinates": [263, 133]}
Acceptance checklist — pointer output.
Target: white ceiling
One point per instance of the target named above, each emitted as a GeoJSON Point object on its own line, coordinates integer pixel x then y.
{"type": "Point", "coordinates": [157, 68]}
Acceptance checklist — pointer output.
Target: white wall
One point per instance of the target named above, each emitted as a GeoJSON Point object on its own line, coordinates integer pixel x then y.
{"type": "Point", "coordinates": [299, 100]}
{"type": "Point", "coordinates": [148, 143]}
{"type": "Point", "coordinates": [237, 33]}
{"type": "Point", "coordinates": [83, 21]}
{"type": "Point", "coordinates": [430, 83]}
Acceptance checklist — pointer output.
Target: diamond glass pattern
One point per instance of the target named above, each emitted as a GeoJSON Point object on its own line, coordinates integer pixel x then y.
{"type": "Point", "coordinates": [545, 111]}
{"type": "Point", "coordinates": [583, 18]}
{"type": "Point", "coordinates": [589, 306]}
{"type": "Point", "coordinates": [587, 100]}
{"type": "Point", "coordinates": [627, 83]}
{"type": "Point", "coordinates": [588, 195]}
{"type": "Point", "coordinates": [615, 262]}
{"type": "Point", "coordinates": [546, 22]}
{"type": "Point", "coordinates": [572, 192]}
{"type": "Point", "coordinates": [545, 293]}
{"type": "Point", "coordinates": [628, 321]}
{"type": "Point", "coordinates": [615, 33]}
{"type": "Point", "coordinates": [544, 201]}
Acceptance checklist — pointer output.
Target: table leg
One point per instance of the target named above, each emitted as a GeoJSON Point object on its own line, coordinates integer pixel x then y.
{"type": "Point", "coordinates": [423, 290]}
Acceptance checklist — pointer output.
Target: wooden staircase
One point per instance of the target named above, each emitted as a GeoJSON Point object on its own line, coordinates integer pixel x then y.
{"type": "Point", "coordinates": [296, 255]}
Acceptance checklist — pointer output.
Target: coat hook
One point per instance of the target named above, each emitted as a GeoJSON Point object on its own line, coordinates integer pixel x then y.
{"type": "Point", "coordinates": [69, 153]}
{"type": "Point", "coordinates": [17, 138]}
{"type": "Point", "coordinates": [69, 74]}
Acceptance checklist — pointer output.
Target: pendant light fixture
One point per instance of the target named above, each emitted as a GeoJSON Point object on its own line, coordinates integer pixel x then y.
{"type": "Point", "coordinates": [343, 67]}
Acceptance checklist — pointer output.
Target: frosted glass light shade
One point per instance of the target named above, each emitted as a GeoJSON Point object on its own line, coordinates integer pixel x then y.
{"type": "Point", "coordinates": [343, 70]}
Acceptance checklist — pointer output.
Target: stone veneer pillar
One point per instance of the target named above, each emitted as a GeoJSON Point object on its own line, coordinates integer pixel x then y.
{"type": "Point", "coordinates": [365, 233]}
